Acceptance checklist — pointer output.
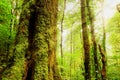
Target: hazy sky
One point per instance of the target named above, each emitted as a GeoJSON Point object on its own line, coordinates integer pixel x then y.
{"type": "Point", "coordinates": [110, 8]}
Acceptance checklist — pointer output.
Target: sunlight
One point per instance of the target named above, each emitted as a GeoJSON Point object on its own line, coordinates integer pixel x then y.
{"type": "Point", "coordinates": [110, 8]}
{"type": "Point", "coordinates": [69, 6]}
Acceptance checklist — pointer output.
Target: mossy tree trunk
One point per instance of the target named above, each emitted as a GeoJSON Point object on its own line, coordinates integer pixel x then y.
{"type": "Point", "coordinates": [29, 54]}
{"type": "Point", "coordinates": [94, 43]}
{"type": "Point", "coordinates": [20, 46]}
{"type": "Point", "coordinates": [103, 51]}
{"type": "Point", "coordinates": [104, 63]}
{"type": "Point", "coordinates": [40, 57]}
{"type": "Point", "coordinates": [21, 40]}
{"type": "Point", "coordinates": [86, 44]}
{"type": "Point", "coordinates": [14, 56]}
{"type": "Point", "coordinates": [53, 71]}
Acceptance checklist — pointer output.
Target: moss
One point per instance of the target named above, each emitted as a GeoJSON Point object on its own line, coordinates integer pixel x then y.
{"type": "Point", "coordinates": [41, 69]}
{"type": "Point", "coordinates": [40, 48]}
{"type": "Point", "coordinates": [16, 71]}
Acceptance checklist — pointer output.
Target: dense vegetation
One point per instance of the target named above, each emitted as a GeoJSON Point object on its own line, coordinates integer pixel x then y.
{"type": "Point", "coordinates": [59, 40]}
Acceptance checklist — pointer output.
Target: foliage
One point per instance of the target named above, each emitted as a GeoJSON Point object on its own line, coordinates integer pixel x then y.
{"type": "Point", "coordinates": [5, 18]}
{"type": "Point", "coordinates": [113, 29]}
{"type": "Point", "coordinates": [5, 11]}
{"type": "Point", "coordinates": [6, 42]}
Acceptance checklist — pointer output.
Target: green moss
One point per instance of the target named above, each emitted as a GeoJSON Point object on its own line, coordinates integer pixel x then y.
{"type": "Point", "coordinates": [16, 71]}
{"type": "Point", "coordinates": [41, 68]}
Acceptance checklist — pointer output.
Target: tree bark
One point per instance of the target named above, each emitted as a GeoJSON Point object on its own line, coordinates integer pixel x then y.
{"type": "Point", "coordinates": [103, 24]}
{"type": "Point", "coordinates": [94, 44]}
{"type": "Point", "coordinates": [30, 55]}
{"type": "Point", "coordinates": [53, 71]}
{"type": "Point", "coordinates": [86, 44]}
{"type": "Point", "coordinates": [40, 63]}
{"type": "Point", "coordinates": [103, 71]}
{"type": "Point", "coordinates": [61, 45]}
{"type": "Point", "coordinates": [103, 51]}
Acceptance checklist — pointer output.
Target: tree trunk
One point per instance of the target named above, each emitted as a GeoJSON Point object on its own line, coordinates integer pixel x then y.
{"type": "Point", "coordinates": [71, 51]}
{"type": "Point", "coordinates": [103, 71]}
{"type": "Point", "coordinates": [103, 24]}
{"type": "Point", "coordinates": [103, 52]}
{"type": "Point", "coordinates": [61, 45]}
{"type": "Point", "coordinates": [40, 63]}
{"type": "Point", "coordinates": [86, 44]}
{"type": "Point", "coordinates": [53, 71]}
{"type": "Point", "coordinates": [94, 44]}
{"type": "Point", "coordinates": [30, 55]}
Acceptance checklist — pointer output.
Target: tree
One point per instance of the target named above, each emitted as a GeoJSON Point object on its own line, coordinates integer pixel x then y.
{"type": "Point", "coordinates": [118, 7]}
{"type": "Point", "coordinates": [35, 42]}
{"type": "Point", "coordinates": [94, 44]}
{"type": "Point", "coordinates": [103, 71]}
{"type": "Point", "coordinates": [61, 44]}
{"type": "Point", "coordinates": [103, 52]}
{"type": "Point", "coordinates": [86, 44]}
{"type": "Point", "coordinates": [40, 57]}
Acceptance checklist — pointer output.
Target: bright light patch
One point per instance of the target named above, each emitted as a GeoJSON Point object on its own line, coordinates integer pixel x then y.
{"type": "Point", "coordinates": [110, 8]}
{"type": "Point", "coordinates": [69, 6]}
